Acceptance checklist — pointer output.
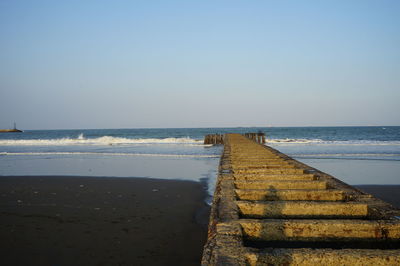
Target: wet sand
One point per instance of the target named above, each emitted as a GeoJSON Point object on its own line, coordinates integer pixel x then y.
{"type": "Point", "coordinates": [57, 220]}
{"type": "Point", "coordinates": [101, 221]}
{"type": "Point", "coordinates": [388, 193]}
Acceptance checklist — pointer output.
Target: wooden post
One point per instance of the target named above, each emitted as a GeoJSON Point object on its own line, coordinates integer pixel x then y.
{"type": "Point", "coordinates": [214, 139]}
{"type": "Point", "coordinates": [257, 137]}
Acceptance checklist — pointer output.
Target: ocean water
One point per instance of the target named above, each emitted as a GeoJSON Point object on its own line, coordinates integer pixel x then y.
{"type": "Point", "coordinates": [357, 155]}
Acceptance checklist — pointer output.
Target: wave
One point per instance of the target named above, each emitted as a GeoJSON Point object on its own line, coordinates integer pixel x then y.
{"type": "Point", "coordinates": [109, 140]}
{"type": "Point", "coordinates": [348, 155]}
{"type": "Point", "coordinates": [351, 156]}
{"type": "Point", "coordinates": [107, 154]}
{"type": "Point", "coordinates": [105, 140]}
{"type": "Point", "coordinates": [330, 142]}
{"type": "Point", "coordinates": [294, 141]}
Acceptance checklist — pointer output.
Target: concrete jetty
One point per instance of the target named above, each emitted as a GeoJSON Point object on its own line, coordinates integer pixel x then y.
{"type": "Point", "coordinates": [269, 209]}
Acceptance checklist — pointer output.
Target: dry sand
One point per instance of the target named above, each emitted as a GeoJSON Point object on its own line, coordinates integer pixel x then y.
{"type": "Point", "coordinates": [101, 221]}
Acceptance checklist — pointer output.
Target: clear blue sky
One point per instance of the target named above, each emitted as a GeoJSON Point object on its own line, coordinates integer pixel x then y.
{"type": "Point", "coordinates": [125, 64]}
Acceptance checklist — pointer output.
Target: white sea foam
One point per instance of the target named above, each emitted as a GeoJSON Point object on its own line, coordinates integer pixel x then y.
{"type": "Point", "coordinates": [327, 142]}
{"type": "Point", "coordinates": [105, 140]}
{"type": "Point", "coordinates": [107, 154]}
{"type": "Point", "coordinates": [348, 155]}
{"type": "Point", "coordinates": [294, 141]}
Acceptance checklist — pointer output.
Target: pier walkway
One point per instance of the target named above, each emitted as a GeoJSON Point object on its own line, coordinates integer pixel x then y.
{"type": "Point", "coordinates": [269, 209]}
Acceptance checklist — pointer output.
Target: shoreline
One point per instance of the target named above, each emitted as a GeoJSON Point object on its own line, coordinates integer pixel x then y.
{"type": "Point", "coordinates": [76, 220]}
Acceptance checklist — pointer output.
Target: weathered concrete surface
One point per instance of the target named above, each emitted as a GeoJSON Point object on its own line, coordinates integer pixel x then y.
{"type": "Point", "coordinates": [314, 229]}
{"type": "Point", "coordinates": [260, 202]}
{"type": "Point", "coordinates": [266, 170]}
{"type": "Point", "coordinates": [275, 177]}
{"type": "Point", "coordinates": [308, 257]}
{"type": "Point", "coordinates": [280, 184]}
{"type": "Point", "coordinates": [300, 209]}
{"type": "Point", "coordinates": [290, 194]}
{"type": "Point", "coordinates": [248, 166]}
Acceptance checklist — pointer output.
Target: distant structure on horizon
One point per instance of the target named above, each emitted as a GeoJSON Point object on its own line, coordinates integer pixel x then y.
{"type": "Point", "coordinates": [11, 130]}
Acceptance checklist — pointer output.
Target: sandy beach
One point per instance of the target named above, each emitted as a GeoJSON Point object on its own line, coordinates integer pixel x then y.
{"type": "Point", "coordinates": [57, 220]}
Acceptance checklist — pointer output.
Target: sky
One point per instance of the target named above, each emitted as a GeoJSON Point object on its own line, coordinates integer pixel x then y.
{"type": "Point", "coordinates": [138, 64]}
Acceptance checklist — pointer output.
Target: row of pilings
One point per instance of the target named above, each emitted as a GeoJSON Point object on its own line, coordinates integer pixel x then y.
{"type": "Point", "coordinates": [257, 137]}
{"type": "Point", "coordinates": [215, 139]}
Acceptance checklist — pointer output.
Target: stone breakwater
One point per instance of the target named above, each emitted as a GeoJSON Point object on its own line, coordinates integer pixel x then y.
{"type": "Point", "coordinates": [269, 209]}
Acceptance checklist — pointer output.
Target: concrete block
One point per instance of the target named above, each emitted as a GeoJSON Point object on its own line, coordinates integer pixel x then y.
{"type": "Point", "coordinates": [300, 209]}
{"type": "Point", "coordinates": [291, 194]}
{"type": "Point", "coordinates": [280, 184]}
{"type": "Point", "coordinates": [319, 230]}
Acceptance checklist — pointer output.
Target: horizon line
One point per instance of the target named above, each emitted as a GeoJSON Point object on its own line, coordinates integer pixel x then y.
{"type": "Point", "coordinates": [224, 127]}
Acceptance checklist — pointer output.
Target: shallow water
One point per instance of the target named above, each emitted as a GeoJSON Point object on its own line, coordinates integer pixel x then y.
{"type": "Point", "coordinates": [359, 172]}
{"type": "Point", "coordinates": [357, 155]}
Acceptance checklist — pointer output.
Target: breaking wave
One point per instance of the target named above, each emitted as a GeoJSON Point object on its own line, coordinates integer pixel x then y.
{"type": "Point", "coordinates": [330, 142]}
{"type": "Point", "coordinates": [105, 140]}
{"type": "Point", "coordinates": [108, 154]}
{"type": "Point", "coordinates": [294, 141]}
{"type": "Point", "coordinates": [348, 155]}
{"type": "Point", "coordinates": [351, 156]}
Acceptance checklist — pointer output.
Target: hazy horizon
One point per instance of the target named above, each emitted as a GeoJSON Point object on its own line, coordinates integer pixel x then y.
{"type": "Point", "coordinates": [179, 64]}
{"type": "Point", "coordinates": [322, 126]}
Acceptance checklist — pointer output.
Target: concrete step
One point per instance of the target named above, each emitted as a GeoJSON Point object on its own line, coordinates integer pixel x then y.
{"type": "Point", "coordinates": [275, 177]}
{"type": "Point", "coordinates": [243, 153]}
{"type": "Point", "coordinates": [320, 230]}
{"type": "Point", "coordinates": [258, 159]}
{"type": "Point", "coordinates": [239, 166]}
{"type": "Point", "coordinates": [260, 165]}
{"type": "Point", "coordinates": [291, 194]}
{"type": "Point", "coordinates": [302, 209]}
{"type": "Point", "coordinates": [248, 153]}
{"type": "Point", "coordinates": [311, 257]}
{"type": "Point", "coordinates": [270, 171]}
{"type": "Point", "coordinates": [281, 184]}
{"type": "Point", "coordinates": [249, 157]}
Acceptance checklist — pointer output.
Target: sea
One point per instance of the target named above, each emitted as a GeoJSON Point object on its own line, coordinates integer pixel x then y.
{"type": "Point", "coordinates": [356, 155]}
